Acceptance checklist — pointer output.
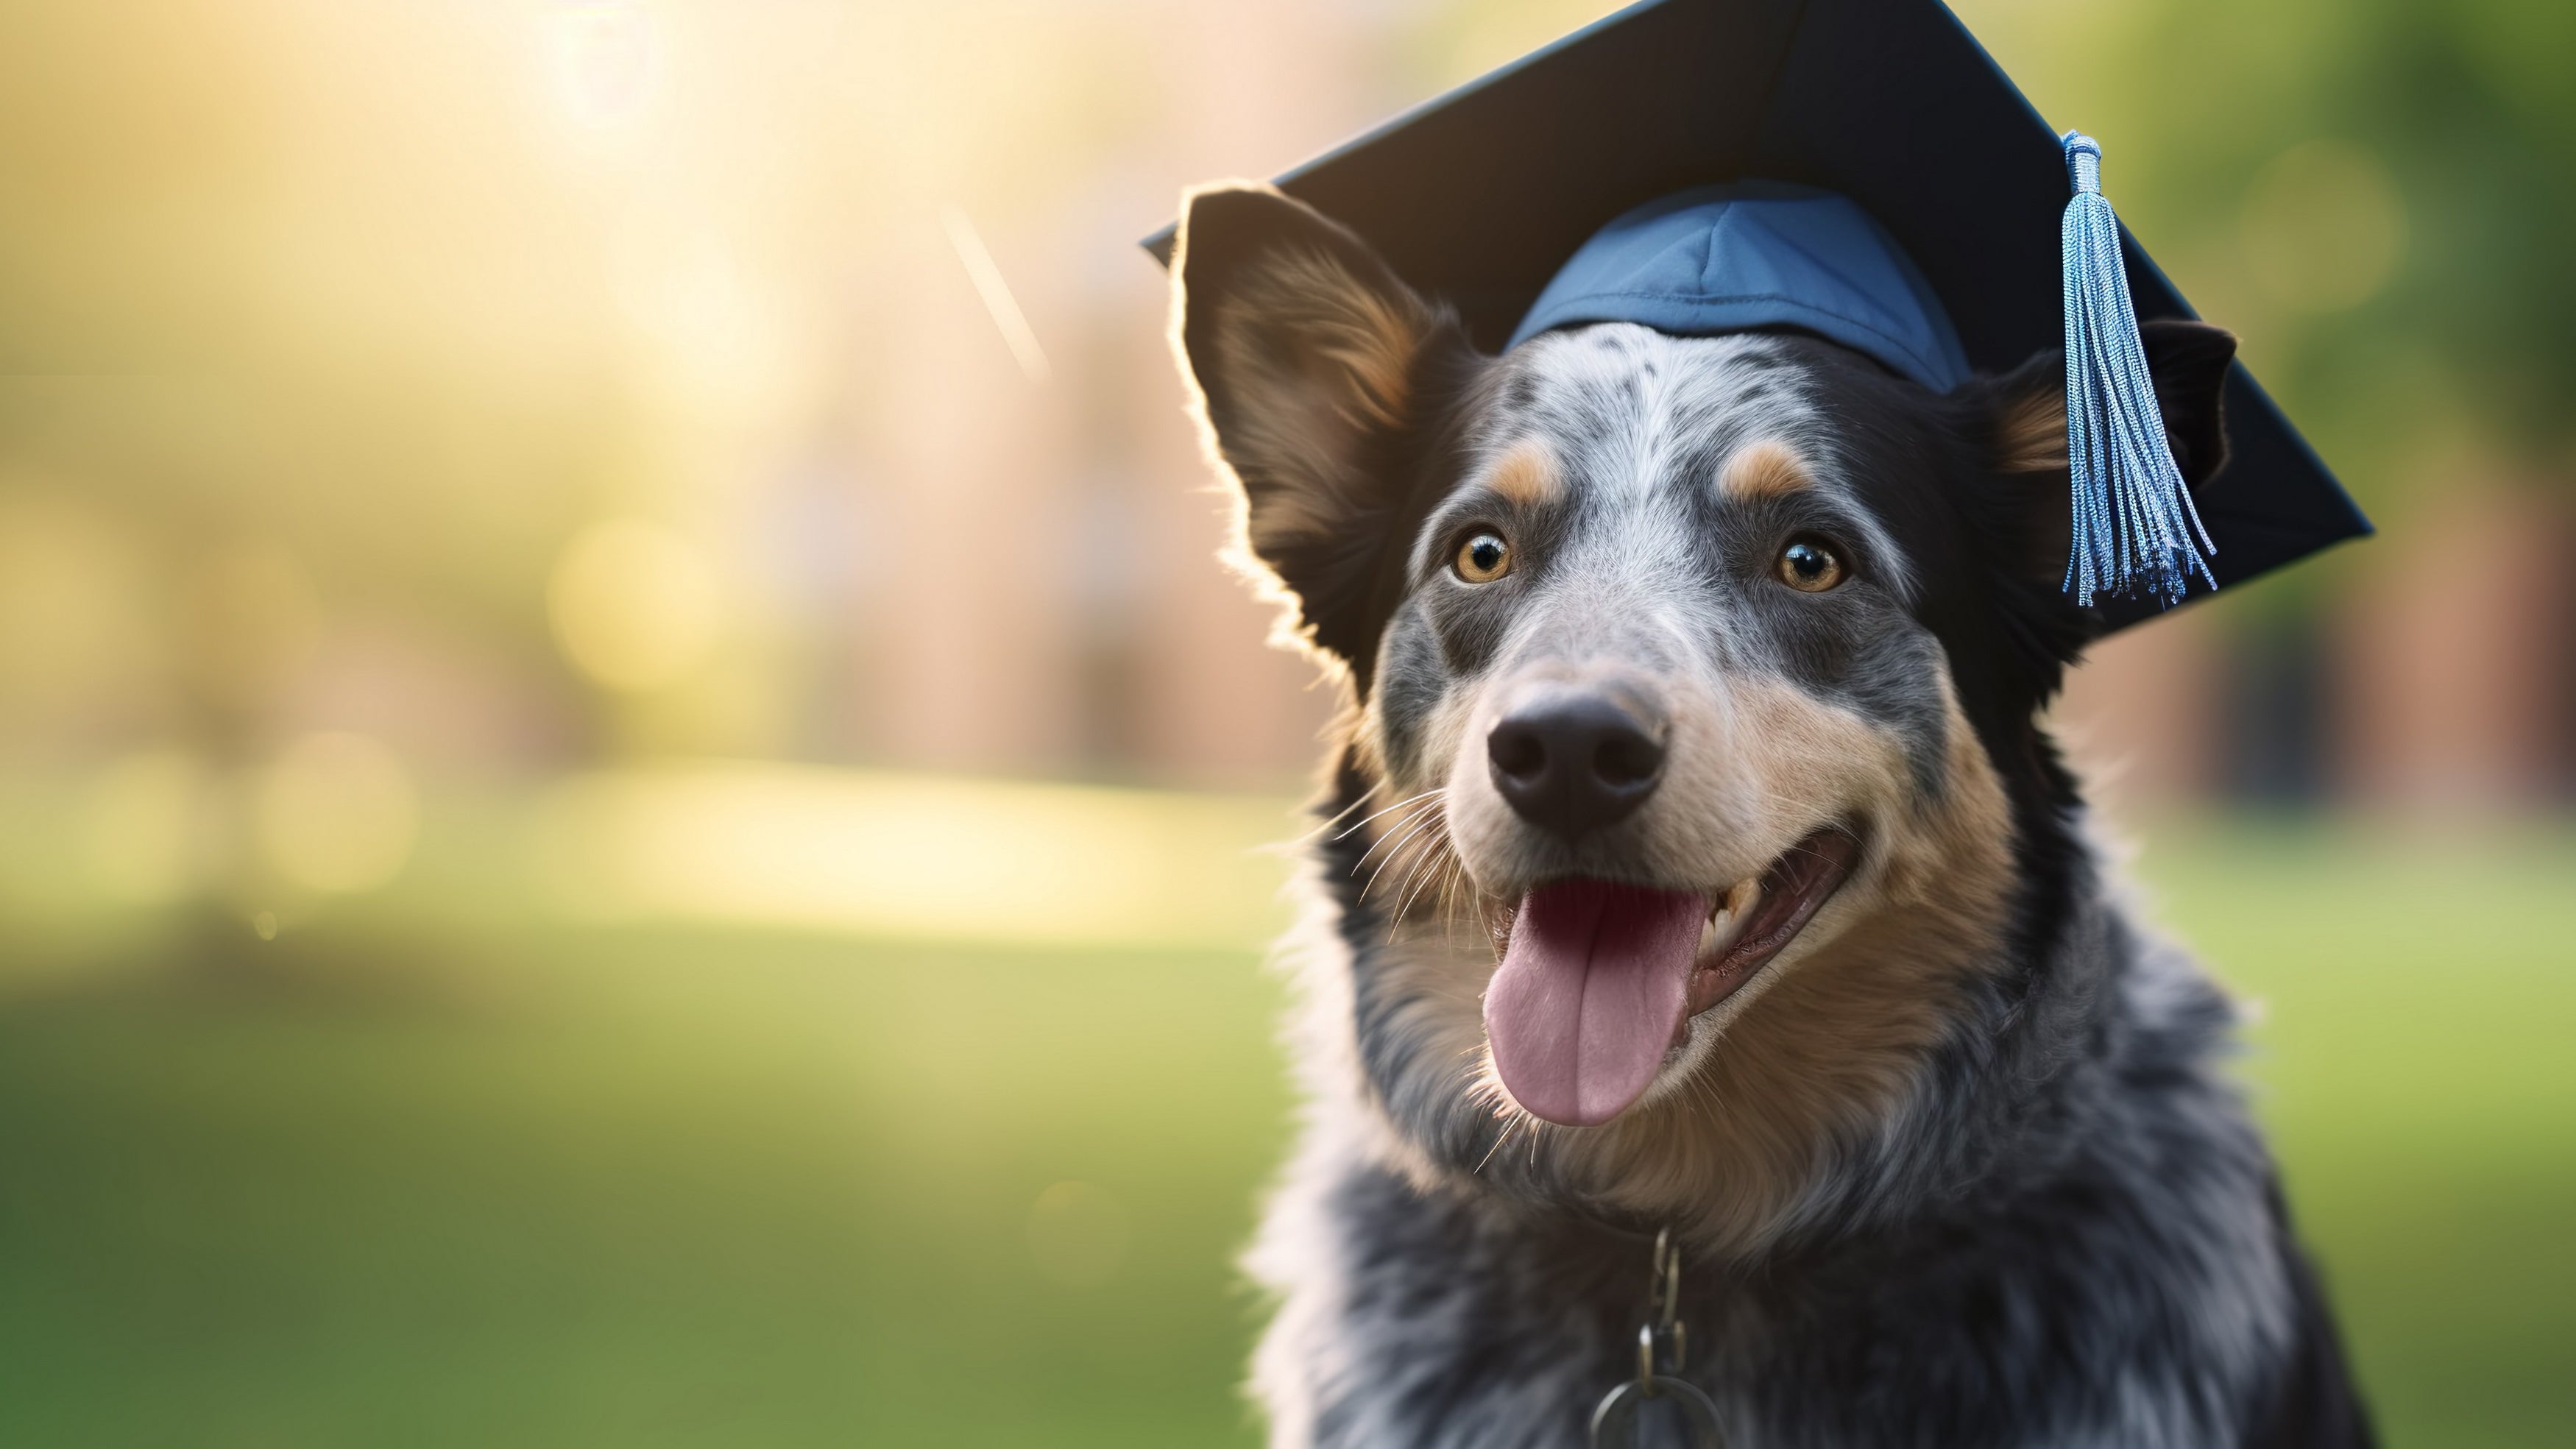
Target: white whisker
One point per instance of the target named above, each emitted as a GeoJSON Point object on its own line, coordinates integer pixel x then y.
{"type": "Point", "coordinates": [1316, 831]}
{"type": "Point", "coordinates": [1413, 829]}
{"type": "Point", "coordinates": [1418, 809]}
{"type": "Point", "coordinates": [1509, 1123]}
{"type": "Point", "coordinates": [1398, 805]}
{"type": "Point", "coordinates": [1437, 857]}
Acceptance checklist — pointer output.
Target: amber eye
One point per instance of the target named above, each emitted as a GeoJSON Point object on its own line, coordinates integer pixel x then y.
{"type": "Point", "coordinates": [1483, 558]}
{"type": "Point", "coordinates": [1809, 566]}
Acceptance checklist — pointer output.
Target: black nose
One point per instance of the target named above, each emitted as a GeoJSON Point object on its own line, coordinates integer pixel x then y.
{"type": "Point", "coordinates": [1574, 763]}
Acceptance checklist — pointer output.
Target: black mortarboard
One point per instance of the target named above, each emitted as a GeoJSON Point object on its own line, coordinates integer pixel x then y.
{"type": "Point", "coordinates": [1480, 197]}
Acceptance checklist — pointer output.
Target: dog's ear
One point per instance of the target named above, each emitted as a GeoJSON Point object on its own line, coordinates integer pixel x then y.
{"type": "Point", "coordinates": [2020, 419]}
{"type": "Point", "coordinates": [1315, 367]}
{"type": "Point", "coordinates": [2189, 363]}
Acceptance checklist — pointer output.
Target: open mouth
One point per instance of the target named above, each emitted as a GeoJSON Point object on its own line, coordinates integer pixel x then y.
{"type": "Point", "coordinates": [1598, 979]}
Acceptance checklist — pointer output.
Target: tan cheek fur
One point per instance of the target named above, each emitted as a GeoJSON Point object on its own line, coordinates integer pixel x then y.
{"type": "Point", "coordinates": [1832, 1039]}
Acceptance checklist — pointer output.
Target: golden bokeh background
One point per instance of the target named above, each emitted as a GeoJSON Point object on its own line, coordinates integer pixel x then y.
{"type": "Point", "coordinates": [632, 810]}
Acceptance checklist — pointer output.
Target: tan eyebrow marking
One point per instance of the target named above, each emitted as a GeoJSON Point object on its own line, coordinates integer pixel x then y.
{"type": "Point", "coordinates": [1526, 475]}
{"type": "Point", "coordinates": [1764, 469]}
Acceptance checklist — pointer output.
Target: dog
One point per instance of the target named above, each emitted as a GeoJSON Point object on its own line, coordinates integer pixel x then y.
{"type": "Point", "coordinates": [1693, 860]}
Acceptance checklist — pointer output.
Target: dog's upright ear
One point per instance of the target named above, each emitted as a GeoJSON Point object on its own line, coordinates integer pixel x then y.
{"type": "Point", "coordinates": [1317, 370]}
{"type": "Point", "coordinates": [2020, 419]}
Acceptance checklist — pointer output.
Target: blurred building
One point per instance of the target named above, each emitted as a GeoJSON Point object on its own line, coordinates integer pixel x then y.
{"type": "Point", "coordinates": [1055, 604]}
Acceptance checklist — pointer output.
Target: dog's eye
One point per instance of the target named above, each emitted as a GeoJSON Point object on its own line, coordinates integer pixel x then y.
{"type": "Point", "coordinates": [1483, 558]}
{"type": "Point", "coordinates": [1810, 566]}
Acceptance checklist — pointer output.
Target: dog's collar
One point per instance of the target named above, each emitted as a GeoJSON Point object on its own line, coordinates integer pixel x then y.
{"type": "Point", "coordinates": [1658, 1407]}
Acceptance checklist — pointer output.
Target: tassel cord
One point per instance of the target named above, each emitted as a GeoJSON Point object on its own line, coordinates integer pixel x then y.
{"type": "Point", "coordinates": [2134, 524]}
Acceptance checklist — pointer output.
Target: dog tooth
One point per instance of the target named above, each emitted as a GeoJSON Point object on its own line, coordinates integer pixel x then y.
{"type": "Point", "coordinates": [1713, 930]}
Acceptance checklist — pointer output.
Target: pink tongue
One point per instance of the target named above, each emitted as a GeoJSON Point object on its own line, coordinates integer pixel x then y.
{"type": "Point", "coordinates": [1584, 1005]}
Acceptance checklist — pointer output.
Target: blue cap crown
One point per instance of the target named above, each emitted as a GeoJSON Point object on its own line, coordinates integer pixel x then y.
{"type": "Point", "coordinates": [1754, 255]}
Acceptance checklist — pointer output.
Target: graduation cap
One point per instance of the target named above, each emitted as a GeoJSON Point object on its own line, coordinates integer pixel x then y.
{"type": "Point", "coordinates": [1856, 168]}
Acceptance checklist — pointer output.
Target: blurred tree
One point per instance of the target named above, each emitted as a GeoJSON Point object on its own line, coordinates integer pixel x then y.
{"type": "Point", "coordinates": [2374, 193]}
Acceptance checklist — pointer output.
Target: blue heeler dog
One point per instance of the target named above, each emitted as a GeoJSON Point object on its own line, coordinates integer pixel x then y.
{"type": "Point", "coordinates": [1693, 860]}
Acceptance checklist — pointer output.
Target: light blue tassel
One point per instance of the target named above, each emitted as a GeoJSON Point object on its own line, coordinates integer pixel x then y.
{"type": "Point", "coordinates": [2135, 527]}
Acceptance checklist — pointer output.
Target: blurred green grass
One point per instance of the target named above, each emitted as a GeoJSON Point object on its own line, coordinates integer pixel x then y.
{"type": "Point", "coordinates": [433, 1170]}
